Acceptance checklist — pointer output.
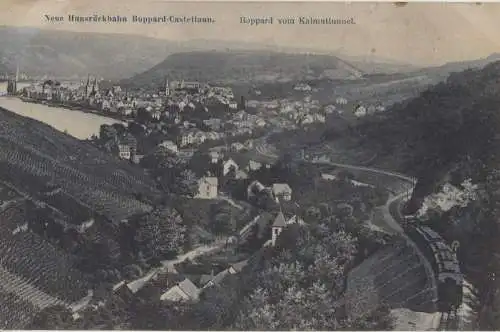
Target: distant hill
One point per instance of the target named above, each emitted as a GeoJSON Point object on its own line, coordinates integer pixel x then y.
{"type": "Point", "coordinates": [239, 66]}
{"type": "Point", "coordinates": [442, 72]}
{"type": "Point", "coordinates": [66, 54]}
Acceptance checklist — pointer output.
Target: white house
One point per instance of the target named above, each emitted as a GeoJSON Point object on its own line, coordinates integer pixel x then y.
{"type": "Point", "coordinates": [124, 151]}
{"type": "Point", "coordinates": [341, 101]}
{"type": "Point", "coordinates": [237, 146]}
{"type": "Point", "coordinates": [282, 191]}
{"type": "Point", "coordinates": [254, 165]}
{"type": "Point", "coordinates": [169, 145]}
{"type": "Point", "coordinates": [360, 111]}
{"type": "Point", "coordinates": [302, 87]}
{"type": "Point", "coordinates": [187, 138]}
{"type": "Point", "coordinates": [207, 187]}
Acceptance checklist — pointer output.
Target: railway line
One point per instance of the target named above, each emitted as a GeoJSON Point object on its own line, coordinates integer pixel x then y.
{"type": "Point", "coordinates": [448, 320]}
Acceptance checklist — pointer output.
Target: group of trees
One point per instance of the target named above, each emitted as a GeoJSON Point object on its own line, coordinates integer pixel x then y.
{"type": "Point", "coordinates": [453, 123]}
{"type": "Point", "coordinates": [171, 172]}
{"type": "Point", "coordinates": [160, 234]}
{"type": "Point", "coordinates": [302, 285]}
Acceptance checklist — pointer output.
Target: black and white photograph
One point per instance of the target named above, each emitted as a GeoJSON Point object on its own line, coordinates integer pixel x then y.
{"type": "Point", "coordinates": [249, 166]}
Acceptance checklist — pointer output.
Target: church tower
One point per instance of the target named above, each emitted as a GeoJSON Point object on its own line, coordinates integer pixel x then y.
{"type": "Point", "coordinates": [12, 83]}
{"type": "Point", "coordinates": [278, 226]}
{"type": "Point", "coordinates": [167, 87]}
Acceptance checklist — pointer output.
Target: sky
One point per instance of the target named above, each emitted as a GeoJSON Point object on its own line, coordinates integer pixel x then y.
{"type": "Point", "coordinates": [417, 33]}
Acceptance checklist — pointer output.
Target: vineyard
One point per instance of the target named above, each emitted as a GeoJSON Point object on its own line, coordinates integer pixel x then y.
{"type": "Point", "coordinates": [30, 257]}
{"type": "Point", "coordinates": [394, 276]}
{"type": "Point", "coordinates": [15, 313]}
{"type": "Point", "coordinates": [106, 195]}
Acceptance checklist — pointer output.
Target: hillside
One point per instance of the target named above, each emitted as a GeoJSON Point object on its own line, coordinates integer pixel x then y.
{"type": "Point", "coordinates": [450, 129]}
{"type": "Point", "coordinates": [238, 66]}
{"type": "Point", "coordinates": [33, 154]}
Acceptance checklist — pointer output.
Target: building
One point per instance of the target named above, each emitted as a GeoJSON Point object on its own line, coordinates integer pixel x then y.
{"type": "Point", "coordinates": [360, 111]}
{"type": "Point", "coordinates": [237, 267]}
{"type": "Point", "coordinates": [295, 219]}
{"type": "Point", "coordinates": [229, 164]}
{"type": "Point", "coordinates": [282, 191]}
{"type": "Point", "coordinates": [237, 146]}
{"type": "Point", "coordinates": [278, 225]}
{"type": "Point", "coordinates": [254, 188]}
{"type": "Point", "coordinates": [187, 138]}
{"type": "Point", "coordinates": [124, 151]}
{"type": "Point", "coordinates": [184, 291]}
{"type": "Point", "coordinates": [207, 187]}
{"type": "Point", "coordinates": [136, 158]}
{"type": "Point", "coordinates": [127, 147]}
{"type": "Point", "coordinates": [217, 279]}
{"type": "Point", "coordinates": [170, 146]}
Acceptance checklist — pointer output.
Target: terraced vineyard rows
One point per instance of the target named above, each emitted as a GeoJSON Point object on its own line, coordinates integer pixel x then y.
{"type": "Point", "coordinates": [15, 313]}
{"type": "Point", "coordinates": [27, 255]}
{"type": "Point", "coordinates": [92, 191]}
{"type": "Point", "coordinates": [396, 276]}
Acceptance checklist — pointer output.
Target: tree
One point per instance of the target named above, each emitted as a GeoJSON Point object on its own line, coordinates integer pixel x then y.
{"type": "Point", "coordinates": [381, 319]}
{"type": "Point", "coordinates": [143, 116]}
{"type": "Point", "coordinates": [257, 313]}
{"type": "Point", "coordinates": [186, 183]}
{"type": "Point", "coordinates": [107, 133]}
{"type": "Point", "coordinates": [157, 315]}
{"type": "Point", "coordinates": [160, 234]}
{"type": "Point", "coordinates": [218, 309]}
{"type": "Point", "coordinates": [310, 308]}
{"type": "Point", "coordinates": [55, 317]}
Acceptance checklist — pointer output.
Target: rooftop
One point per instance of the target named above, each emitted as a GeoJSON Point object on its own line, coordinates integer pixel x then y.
{"type": "Point", "coordinates": [189, 288]}
{"type": "Point", "coordinates": [279, 221]}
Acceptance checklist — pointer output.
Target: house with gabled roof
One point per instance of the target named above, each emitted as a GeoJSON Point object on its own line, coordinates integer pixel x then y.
{"type": "Point", "coordinates": [237, 267]}
{"type": "Point", "coordinates": [183, 291]}
{"type": "Point", "coordinates": [217, 279]}
{"type": "Point", "coordinates": [229, 164]}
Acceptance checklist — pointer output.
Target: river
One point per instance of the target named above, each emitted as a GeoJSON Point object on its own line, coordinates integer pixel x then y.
{"type": "Point", "coordinates": [76, 123]}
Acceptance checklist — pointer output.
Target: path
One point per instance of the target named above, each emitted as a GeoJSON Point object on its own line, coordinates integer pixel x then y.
{"type": "Point", "coordinates": [230, 201]}
{"type": "Point", "coordinates": [169, 265]}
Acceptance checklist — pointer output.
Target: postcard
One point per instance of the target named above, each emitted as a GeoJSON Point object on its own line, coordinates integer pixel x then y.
{"type": "Point", "coordinates": [249, 166]}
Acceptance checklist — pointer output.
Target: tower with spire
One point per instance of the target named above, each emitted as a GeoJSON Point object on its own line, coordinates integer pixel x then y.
{"type": "Point", "coordinates": [87, 87]}
{"type": "Point", "coordinates": [12, 83]}
{"type": "Point", "coordinates": [278, 225]}
{"type": "Point", "coordinates": [166, 86]}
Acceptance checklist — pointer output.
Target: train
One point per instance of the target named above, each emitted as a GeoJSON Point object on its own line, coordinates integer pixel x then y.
{"type": "Point", "coordinates": [445, 265]}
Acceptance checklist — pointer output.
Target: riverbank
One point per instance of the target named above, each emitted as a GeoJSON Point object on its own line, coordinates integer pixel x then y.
{"type": "Point", "coordinates": [81, 124]}
{"type": "Point", "coordinates": [75, 107]}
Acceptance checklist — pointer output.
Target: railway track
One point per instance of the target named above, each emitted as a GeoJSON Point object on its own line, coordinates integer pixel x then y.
{"type": "Point", "coordinates": [448, 321]}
